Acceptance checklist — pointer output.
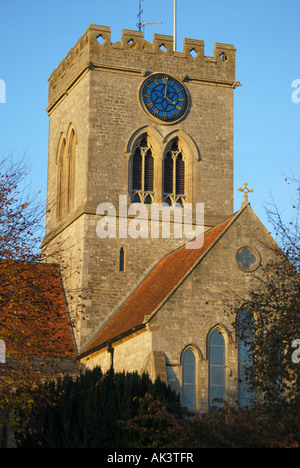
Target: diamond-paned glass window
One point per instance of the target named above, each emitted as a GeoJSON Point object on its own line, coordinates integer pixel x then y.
{"type": "Point", "coordinates": [245, 330]}
{"type": "Point", "coordinates": [189, 380]}
{"type": "Point", "coordinates": [216, 368]}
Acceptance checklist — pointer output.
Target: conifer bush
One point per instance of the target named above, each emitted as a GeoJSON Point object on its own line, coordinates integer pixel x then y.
{"type": "Point", "coordinates": [88, 412]}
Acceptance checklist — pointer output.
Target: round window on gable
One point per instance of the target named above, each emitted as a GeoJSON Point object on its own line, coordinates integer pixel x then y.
{"type": "Point", "coordinates": [247, 258]}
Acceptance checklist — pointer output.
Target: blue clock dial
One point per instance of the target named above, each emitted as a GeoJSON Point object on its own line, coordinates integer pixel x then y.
{"type": "Point", "coordinates": [164, 97]}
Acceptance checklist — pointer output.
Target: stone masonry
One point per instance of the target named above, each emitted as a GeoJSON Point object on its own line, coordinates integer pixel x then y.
{"type": "Point", "coordinates": [95, 89]}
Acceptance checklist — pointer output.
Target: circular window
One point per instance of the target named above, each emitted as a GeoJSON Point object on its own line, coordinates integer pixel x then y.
{"type": "Point", "coordinates": [247, 258]}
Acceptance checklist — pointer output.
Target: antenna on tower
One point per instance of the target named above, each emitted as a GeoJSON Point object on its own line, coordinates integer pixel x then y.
{"type": "Point", "coordinates": [145, 24]}
{"type": "Point", "coordinates": [140, 24]}
{"type": "Point", "coordinates": [139, 16]}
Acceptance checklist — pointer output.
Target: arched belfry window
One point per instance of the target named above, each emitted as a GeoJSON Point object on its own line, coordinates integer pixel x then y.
{"type": "Point", "coordinates": [216, 356]}
{"type": "Point", "coordinates": [142, 186]}
{"type": "Point", "coordinates": [174, 175]}
{"type": "Point", "coordinates": [189, 379]}
{"type": "Point", "coordinates": [66, 162]}
{"type": "Point", "coordinates": [245, 337]}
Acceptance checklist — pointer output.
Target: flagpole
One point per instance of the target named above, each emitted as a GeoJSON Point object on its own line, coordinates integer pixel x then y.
{"type": "Point", "coordinates": [174, 28]}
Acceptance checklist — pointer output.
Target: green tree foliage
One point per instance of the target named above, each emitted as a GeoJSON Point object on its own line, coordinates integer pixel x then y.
{"type": "Point", "coordinates": [228, 427]}
{"type": "Point", "coordinates": [87, 412]}
{"type": "Point", "coordinates": [275, 306]}
{"type": "Point", "coordinates": [119, 410]}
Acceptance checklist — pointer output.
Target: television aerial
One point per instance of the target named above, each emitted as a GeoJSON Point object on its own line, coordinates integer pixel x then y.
{"type": "Point", "coordinates": [140, 24]}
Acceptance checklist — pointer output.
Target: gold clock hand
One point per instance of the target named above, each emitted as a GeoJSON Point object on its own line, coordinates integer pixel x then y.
{"type": "Point", "coordinates": [166, 89]}
{"type": "Point", "coordinates": [174, 103]}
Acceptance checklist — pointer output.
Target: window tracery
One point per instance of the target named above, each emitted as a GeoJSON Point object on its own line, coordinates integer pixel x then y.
{"type": "Point", "coordinates": [161, 169]}
{"type": "Point", "coordinates": [174, 175]}
{"type": "Point", "coordinates": [143, 173]}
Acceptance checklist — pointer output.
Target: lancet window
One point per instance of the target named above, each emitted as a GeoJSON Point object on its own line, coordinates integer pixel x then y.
{"type": "Point", "coordinates": [189, 379]}
{"type": "Point", "coordinates": [143, 173]}
{"type": "Point", "coordinates": [122, 259]}
{"type": "Point", "coordinates": [174, 175]}
{"type": "Point", "coordinates": [216, 369]}
{"type": "Point", "coordinates": [66, 162]}
{"type": "Point", "coordinates": [245, 330]}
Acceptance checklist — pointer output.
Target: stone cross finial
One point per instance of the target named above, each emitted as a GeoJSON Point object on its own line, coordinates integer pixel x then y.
{"type": "Point", "coordinates": [245, 191]}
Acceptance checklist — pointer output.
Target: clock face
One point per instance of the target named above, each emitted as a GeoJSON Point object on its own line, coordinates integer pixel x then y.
{"type": "Point", "coordinates": [164, 97]}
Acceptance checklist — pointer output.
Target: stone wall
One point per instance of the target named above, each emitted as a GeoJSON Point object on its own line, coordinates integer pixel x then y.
{"type": "Point", "coordinates": [129, 355]}
{"type": "Point", "coordinates": [204, 301]}
{"type": "Point", "coordinates": [95, 89]}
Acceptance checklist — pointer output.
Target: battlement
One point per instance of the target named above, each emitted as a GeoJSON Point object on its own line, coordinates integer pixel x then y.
{"type": "Point", "coordinates": [133, 54]}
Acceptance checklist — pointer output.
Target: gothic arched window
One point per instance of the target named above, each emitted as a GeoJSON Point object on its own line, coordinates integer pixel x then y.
{"type": "Point", "coordinates": [61, 193]}
{"type": "Point", "coordinates": [216, 350]}
{"type": "Point", "coordinates": [142, 189]}
{"type": "Point", "coordinates": [71, 171]}
{"type": "Point", "coordinates": [189, 380]}
{"type": "Point", "coordinates": [174, 175]}
{"type": "Point", "coordinates": [66, 161]}
{"type": "Point", "coordinates": [245, 336]}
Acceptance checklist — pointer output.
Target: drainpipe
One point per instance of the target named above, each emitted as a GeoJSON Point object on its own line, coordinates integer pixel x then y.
{"type": "Point", "coordinates": [110, 350]}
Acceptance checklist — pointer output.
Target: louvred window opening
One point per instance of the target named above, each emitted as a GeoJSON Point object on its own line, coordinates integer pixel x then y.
{"type": "Point", "coordinates": [143, 173]}
{"type": "Point", "coordinates": [174, 175]}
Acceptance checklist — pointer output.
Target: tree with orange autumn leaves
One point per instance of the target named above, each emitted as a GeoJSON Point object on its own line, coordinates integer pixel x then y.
{"type": "Point", "coordinates": [34, 327]}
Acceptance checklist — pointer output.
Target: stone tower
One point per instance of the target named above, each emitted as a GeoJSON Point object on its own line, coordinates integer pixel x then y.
{"type": "Point", "coordinates": [132, 122]}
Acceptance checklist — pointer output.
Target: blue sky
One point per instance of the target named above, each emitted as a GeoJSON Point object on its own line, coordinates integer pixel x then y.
{"type": "Point", "coordinates": [35, 35]}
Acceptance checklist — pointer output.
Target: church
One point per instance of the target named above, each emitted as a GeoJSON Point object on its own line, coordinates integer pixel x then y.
{"type": "Point", "coordinates": [140, 213]}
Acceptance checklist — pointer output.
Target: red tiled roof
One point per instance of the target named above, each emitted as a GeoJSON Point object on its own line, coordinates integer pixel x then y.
{"type": "Point", "coordinates": [156, 288]}
{"type": "Point", "coordinates": [33, 313]}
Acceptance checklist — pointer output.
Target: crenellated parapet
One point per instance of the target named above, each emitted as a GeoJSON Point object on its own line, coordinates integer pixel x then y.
{"type": "Point", "coordinates": [133, 54]}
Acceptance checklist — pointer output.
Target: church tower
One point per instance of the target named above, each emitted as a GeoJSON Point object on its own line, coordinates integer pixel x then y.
{"type": "Point", "coordinates": [132, 125]}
